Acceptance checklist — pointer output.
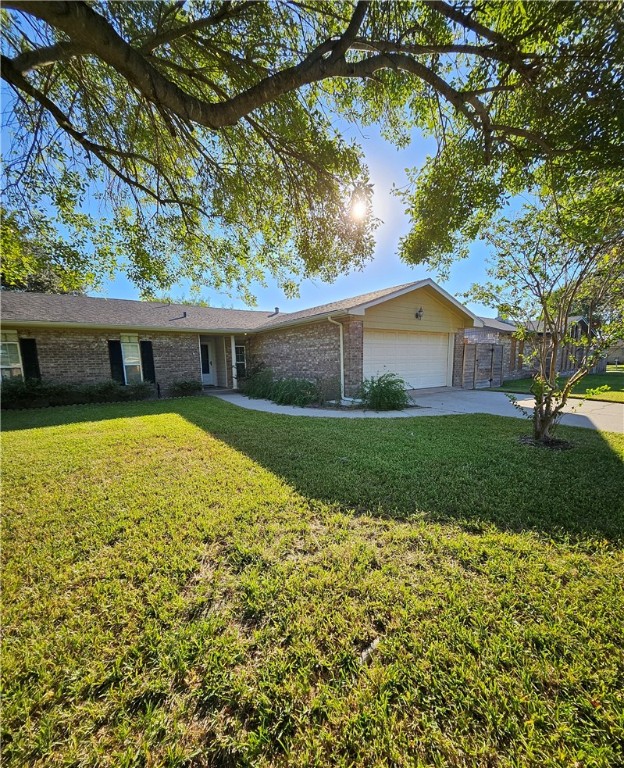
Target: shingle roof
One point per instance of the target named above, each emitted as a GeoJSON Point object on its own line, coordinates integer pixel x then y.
{"type": "Point", "coordinates": [340, 306]}
{"type": "Point", "coordinates": [537, 326]}
{"type": "Point", "coordinates": [497, 325]}
{"type": "Point", "coordinates": [124, 313]}
{"type": "Point", "coordinates": [112, 313]}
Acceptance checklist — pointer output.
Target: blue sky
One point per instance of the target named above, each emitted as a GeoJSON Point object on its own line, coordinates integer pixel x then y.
{"type": "Point", "coordinates": [387, 166]}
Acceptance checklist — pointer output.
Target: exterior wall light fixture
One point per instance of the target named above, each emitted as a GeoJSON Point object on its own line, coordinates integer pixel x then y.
{"type": "Point", "coordinates": [419, 314]}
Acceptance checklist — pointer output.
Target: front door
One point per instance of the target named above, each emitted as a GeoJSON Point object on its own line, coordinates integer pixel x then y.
{"type": "Point", "coordinates": [207, 364]}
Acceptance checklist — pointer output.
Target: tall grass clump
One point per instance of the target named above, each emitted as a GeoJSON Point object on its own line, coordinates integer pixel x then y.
{"type": "Point", "coordinates": [384, 393]}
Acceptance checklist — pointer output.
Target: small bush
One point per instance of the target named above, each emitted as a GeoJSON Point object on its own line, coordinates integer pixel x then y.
{"type": "Point", "coordinates": [142, 391]}
{"type": "Point", "coordinates": [385, 393]}
{"type": "Point", "coordinates": [33, 393]}
{"type": "Point", "coordinates": [112, 392]}
{"type": "Point", "coordinates": [258, 383]}
{"type": "Point", "coordinates": [185, 388]}
{"type": "Point", "coordinates": [295, 392]}
{"type": "Point", "coordinates": [329, 390]}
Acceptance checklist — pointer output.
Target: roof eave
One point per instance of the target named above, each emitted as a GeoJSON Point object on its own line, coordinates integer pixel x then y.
{"type": "Point", "coordinates": [300, 321]}
{"type": "Point", "coordinates": [126, 326]}
{"type": "Point", "coordinates": [428, 283]}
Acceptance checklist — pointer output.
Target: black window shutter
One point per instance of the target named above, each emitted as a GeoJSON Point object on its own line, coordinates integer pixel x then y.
{"type": "Point", "coordinates": [116, 361]}
{"type": "Point", "coordinates": [30, 360]}
{"type": "Point", "coordinates": [147, 361]}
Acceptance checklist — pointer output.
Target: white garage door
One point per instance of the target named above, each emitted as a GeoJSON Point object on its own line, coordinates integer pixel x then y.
{"type": "Point", "coordinates": [422, 359]}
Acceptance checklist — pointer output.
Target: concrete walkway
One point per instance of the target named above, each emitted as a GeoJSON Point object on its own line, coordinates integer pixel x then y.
{"type": "Point", "coordinates": [333, 413]}
{"type": "Point", "coordinates": [592, 414]}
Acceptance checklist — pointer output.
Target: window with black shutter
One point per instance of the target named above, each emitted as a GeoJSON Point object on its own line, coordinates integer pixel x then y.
{"type": "Point", "coordinates": [116, 360]}
{"type": "Point", "coordinates": [147, 361]}
{"type": "Point", "coordinates": [30, 359]}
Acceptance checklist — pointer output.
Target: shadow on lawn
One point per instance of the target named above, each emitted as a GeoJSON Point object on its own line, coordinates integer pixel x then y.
{"type": "Point", "coordinates": [469, 469]}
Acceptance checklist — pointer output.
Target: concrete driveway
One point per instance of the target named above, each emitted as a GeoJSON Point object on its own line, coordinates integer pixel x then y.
{"type": "Point", "coordinates": [593, 414]}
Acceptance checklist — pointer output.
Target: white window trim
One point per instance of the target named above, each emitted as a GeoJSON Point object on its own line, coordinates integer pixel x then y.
{"type": "Point", "coordinates": [11, 337]}
{"type": "Point", "coordinates": [236, 363]}
{"type": "Point", "coordinates": [130, 338]}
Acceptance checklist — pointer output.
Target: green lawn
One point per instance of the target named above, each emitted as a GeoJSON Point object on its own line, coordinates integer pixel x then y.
{"type": "Point", "coordinates": [191, 584]}
{"type": "Point", "coordinates": [613, 378]}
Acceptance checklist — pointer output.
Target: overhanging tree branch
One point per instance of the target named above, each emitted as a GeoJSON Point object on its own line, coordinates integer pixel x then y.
{"type": "Point", "coordinates": [91, 33]}
{"type": "Point", "coordinates": [227, 11]}
{"type": "Point", "coordinates": [98, 150]}
{"type": "Point", "coordinates": [230, 105]}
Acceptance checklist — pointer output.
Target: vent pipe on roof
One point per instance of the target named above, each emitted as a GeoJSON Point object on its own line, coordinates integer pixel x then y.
{"type": "Point", "coordinates": [275, 313]}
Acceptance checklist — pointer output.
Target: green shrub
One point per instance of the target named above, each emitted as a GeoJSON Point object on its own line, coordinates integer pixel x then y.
{"type": "Point", "coordinates": [102, 392]}
{"type": "Point", "coordinates": [33, 393]}
{"type": "Point", "coordinates": [142, 391]}
{"type": "Point", "coordinates": [112, 392]}
{"type": "Point", "coordinates": [295, 392]}
{"type": "Point", "coordinates": [329, 390]}
{"type": "Point", "coordinates": [258, 383]}
{"type": "Point", "coordinates": [185, 388]}
{"type": "Point", "coordinates": [385, 393]}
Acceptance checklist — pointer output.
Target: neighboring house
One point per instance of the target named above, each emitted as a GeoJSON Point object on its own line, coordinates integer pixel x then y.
{"type": "Point", "coordinates": [408, 329]}
{"type": "Point", "coordinates": [570, 355]}
{"type": "Point", "coordinates": [615, 353]}
{"type": "Point", "coordinates": [492, 354]}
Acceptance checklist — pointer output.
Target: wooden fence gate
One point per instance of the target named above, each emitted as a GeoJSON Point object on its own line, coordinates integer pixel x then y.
{"type": "Point", "coordinates": [482, 366]}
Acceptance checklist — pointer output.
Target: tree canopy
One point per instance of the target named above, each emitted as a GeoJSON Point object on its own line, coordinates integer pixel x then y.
{"type": "Point", "coordinates": [199, 139]}
{"type": "Point", "coordinates": [26, 266]}
{"type": "Point", "coordinates": [546, 265]}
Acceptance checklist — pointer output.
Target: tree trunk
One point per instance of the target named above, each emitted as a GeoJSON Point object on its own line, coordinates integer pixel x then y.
{"type": "Point", "coordinates": [545, 418]}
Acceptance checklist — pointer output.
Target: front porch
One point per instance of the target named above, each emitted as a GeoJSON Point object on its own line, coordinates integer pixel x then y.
{"type": "Point", "coordinates": [223, 360]}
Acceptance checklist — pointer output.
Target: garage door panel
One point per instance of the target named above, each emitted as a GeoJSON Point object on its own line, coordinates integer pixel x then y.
{"type": "Point", "coordinates": [421, 359]}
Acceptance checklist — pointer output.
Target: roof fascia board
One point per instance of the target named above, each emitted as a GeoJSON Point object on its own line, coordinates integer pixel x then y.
{"type": "Point", "coordinates": [163, 329]}
{"type": "Point", "coordinates": [361, 308]}
{"type": "Point", "coordinates": [428, 283]}
{"type": "Point", "coordinates": [300, 321]}
{"type": "Point", "coordinates": [124, 327]}
{"type": "Point", "coordinates": [477, 322]}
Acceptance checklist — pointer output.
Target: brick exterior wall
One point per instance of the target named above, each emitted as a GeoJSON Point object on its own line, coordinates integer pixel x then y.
{"type": "Point", "coordinates": [353, 354]}
{"type": "Point", "coordinates": [176, 357]}
{"type": "Point", "coordinates": [71, 356]}
{"type": "Point", "coordinates": [458, 359]}
{"type": "Point", "coordinates": [310, 351]}
{"type": "Point", "coordinates": [67, 356]}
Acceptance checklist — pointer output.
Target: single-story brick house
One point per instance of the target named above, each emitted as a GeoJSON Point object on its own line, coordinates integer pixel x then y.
{"type": "Point", "coordinates": [407, 329]}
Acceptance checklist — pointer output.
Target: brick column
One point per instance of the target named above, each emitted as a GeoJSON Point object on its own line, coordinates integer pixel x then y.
{"type": "Point", "coordinates": [458, 359]}
{"type": "Point", "coordinates": [353, 354]}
